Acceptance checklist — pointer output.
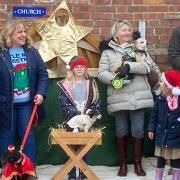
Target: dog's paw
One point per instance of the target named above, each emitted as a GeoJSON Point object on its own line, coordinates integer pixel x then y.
{"type": "Point", "coordinates": [75, 130]}
{"type": "Point", "coordinates": [86, 130]}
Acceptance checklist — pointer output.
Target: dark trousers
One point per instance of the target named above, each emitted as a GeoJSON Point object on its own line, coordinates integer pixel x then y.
{"type": "Point", "coordinates": [137, 123]}
{"type": "Point", "coordinates": [72, 173]}
{"type": "Point", "coordinates": [21, 116]}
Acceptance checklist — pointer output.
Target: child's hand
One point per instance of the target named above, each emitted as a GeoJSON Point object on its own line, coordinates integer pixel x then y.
{"type": "Point", "coordinates": [151, 135]}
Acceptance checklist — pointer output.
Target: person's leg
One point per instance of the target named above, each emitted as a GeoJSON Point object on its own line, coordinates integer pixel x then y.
{"type": "Point", "coordinates": [170, 169]}
{"type": "Point", "coordinates": [160, 168]}
{"type": "Point", "coordinates": [7, 136]}
{"type": "Point", "coordinates": [137, 130]}
{"type": "Point", "coordinates": [23, 116]}
{"type": "Point", "coordinates": [72, 173]}
{"type": "Point", "coordinates": [175, 164]}
{"type": "Point", "coordinates": [121, 118]}
{"type": "Point", "coordinates": [137, 123]}
{"type": "Point", "coordinates": [161, 162]}
{"type": "Point", "coordinates": [81, 174]}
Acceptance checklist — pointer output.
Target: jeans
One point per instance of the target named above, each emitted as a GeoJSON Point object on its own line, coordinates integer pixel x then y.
{"type": "Point", "coordinates": [21, 116]}
{"type": "Point", "coordinates": [137, 122]}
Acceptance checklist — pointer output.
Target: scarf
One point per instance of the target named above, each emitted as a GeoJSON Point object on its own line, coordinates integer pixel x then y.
{"type": "Point", "coordinates": [172, 102]}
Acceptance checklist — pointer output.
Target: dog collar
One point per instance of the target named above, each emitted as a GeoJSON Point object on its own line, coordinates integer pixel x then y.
{"type": "Point", "coordinates": [140, 51]}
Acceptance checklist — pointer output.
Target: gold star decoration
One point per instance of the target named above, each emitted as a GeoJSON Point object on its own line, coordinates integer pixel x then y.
{"type": "Point", "coordinates": [59, 41]}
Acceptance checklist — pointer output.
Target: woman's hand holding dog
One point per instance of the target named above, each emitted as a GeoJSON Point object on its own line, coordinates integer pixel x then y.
{"type": "Point", "coordinates": [123, 70]}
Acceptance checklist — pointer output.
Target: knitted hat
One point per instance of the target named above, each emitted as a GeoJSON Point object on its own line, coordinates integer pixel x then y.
{"type": "Point", "coordinates": [76, 60]}
{"type": "Point", "coordinates": [172, 79]}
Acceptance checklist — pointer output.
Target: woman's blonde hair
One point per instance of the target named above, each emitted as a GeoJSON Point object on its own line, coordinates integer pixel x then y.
{"type": "Point", "coordinates": [166, 91]}
{"type": "Point", "coordinates": [6, 33]}
{"type": "Point", "coordinates": [117, 25]}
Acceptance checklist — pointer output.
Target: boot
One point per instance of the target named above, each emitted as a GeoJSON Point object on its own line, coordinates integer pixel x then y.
{"type": "Point", "coordinates": [175, 174]}
{"type": "Point", "coordinates": [72, 174]}
{"type": "Point", "coordinates": [81, 175]}
{"type": "Point", "coordinates": [159, 173]}
{"type": "Point", "coordinates": [137, 155]}
{"type": "Point", "coordinates": [122, 152]}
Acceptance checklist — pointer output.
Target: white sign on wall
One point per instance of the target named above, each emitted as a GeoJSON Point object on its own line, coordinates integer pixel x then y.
{"type": "Point", "coordinates": [142, 28]}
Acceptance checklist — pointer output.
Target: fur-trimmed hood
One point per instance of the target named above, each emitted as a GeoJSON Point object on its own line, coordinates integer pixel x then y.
{"type": "Point", "coordinates": [104, 45]}
{"type": "Point", "coordinates": [111, 44]}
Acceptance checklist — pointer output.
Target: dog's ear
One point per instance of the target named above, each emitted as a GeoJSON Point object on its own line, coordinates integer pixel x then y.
{"type": "Point", "coordinates": [90, 115]}
{"type": "Point", "coordinates": [136, 35]}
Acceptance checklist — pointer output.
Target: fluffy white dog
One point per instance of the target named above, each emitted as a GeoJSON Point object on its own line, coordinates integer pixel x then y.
{"type": "Point", "coordinates": [82, 122]}
{"type": "Point", "coordinates": [140, 46]}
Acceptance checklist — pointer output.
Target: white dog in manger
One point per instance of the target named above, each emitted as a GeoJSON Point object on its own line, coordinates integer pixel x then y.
{"type": "Point", "coordinates": [82, 122]}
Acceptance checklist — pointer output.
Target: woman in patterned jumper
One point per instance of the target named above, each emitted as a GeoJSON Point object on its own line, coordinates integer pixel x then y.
{"type": "Point", "coordinates": [24, 81]}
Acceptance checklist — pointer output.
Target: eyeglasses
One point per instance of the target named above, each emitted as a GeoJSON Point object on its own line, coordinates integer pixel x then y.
{"type": "Point", "coordinates": [120, 21]}
{"type": "Point", "coordinates": [79, 67]}
{"type": "Point", "coordinates": [117, 20]}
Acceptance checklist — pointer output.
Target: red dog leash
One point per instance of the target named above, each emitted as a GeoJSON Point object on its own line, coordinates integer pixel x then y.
{"type": "Point", "coordinates": [10, 169]}
{"type": "Point", "coordinates": [28, 127]}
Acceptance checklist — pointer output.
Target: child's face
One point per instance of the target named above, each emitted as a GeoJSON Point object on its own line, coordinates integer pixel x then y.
{"type": "Point", "coordinates": [165, 90]}
{"type": "Point", "coordinates": [79, 71]}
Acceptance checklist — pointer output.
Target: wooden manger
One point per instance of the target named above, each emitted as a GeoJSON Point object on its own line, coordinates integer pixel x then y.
{"type": "Point", "coordinates": [65, 139]}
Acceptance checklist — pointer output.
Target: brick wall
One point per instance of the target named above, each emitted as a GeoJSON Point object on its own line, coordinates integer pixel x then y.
{"type": "Point", "coordinates": [161, 17]}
